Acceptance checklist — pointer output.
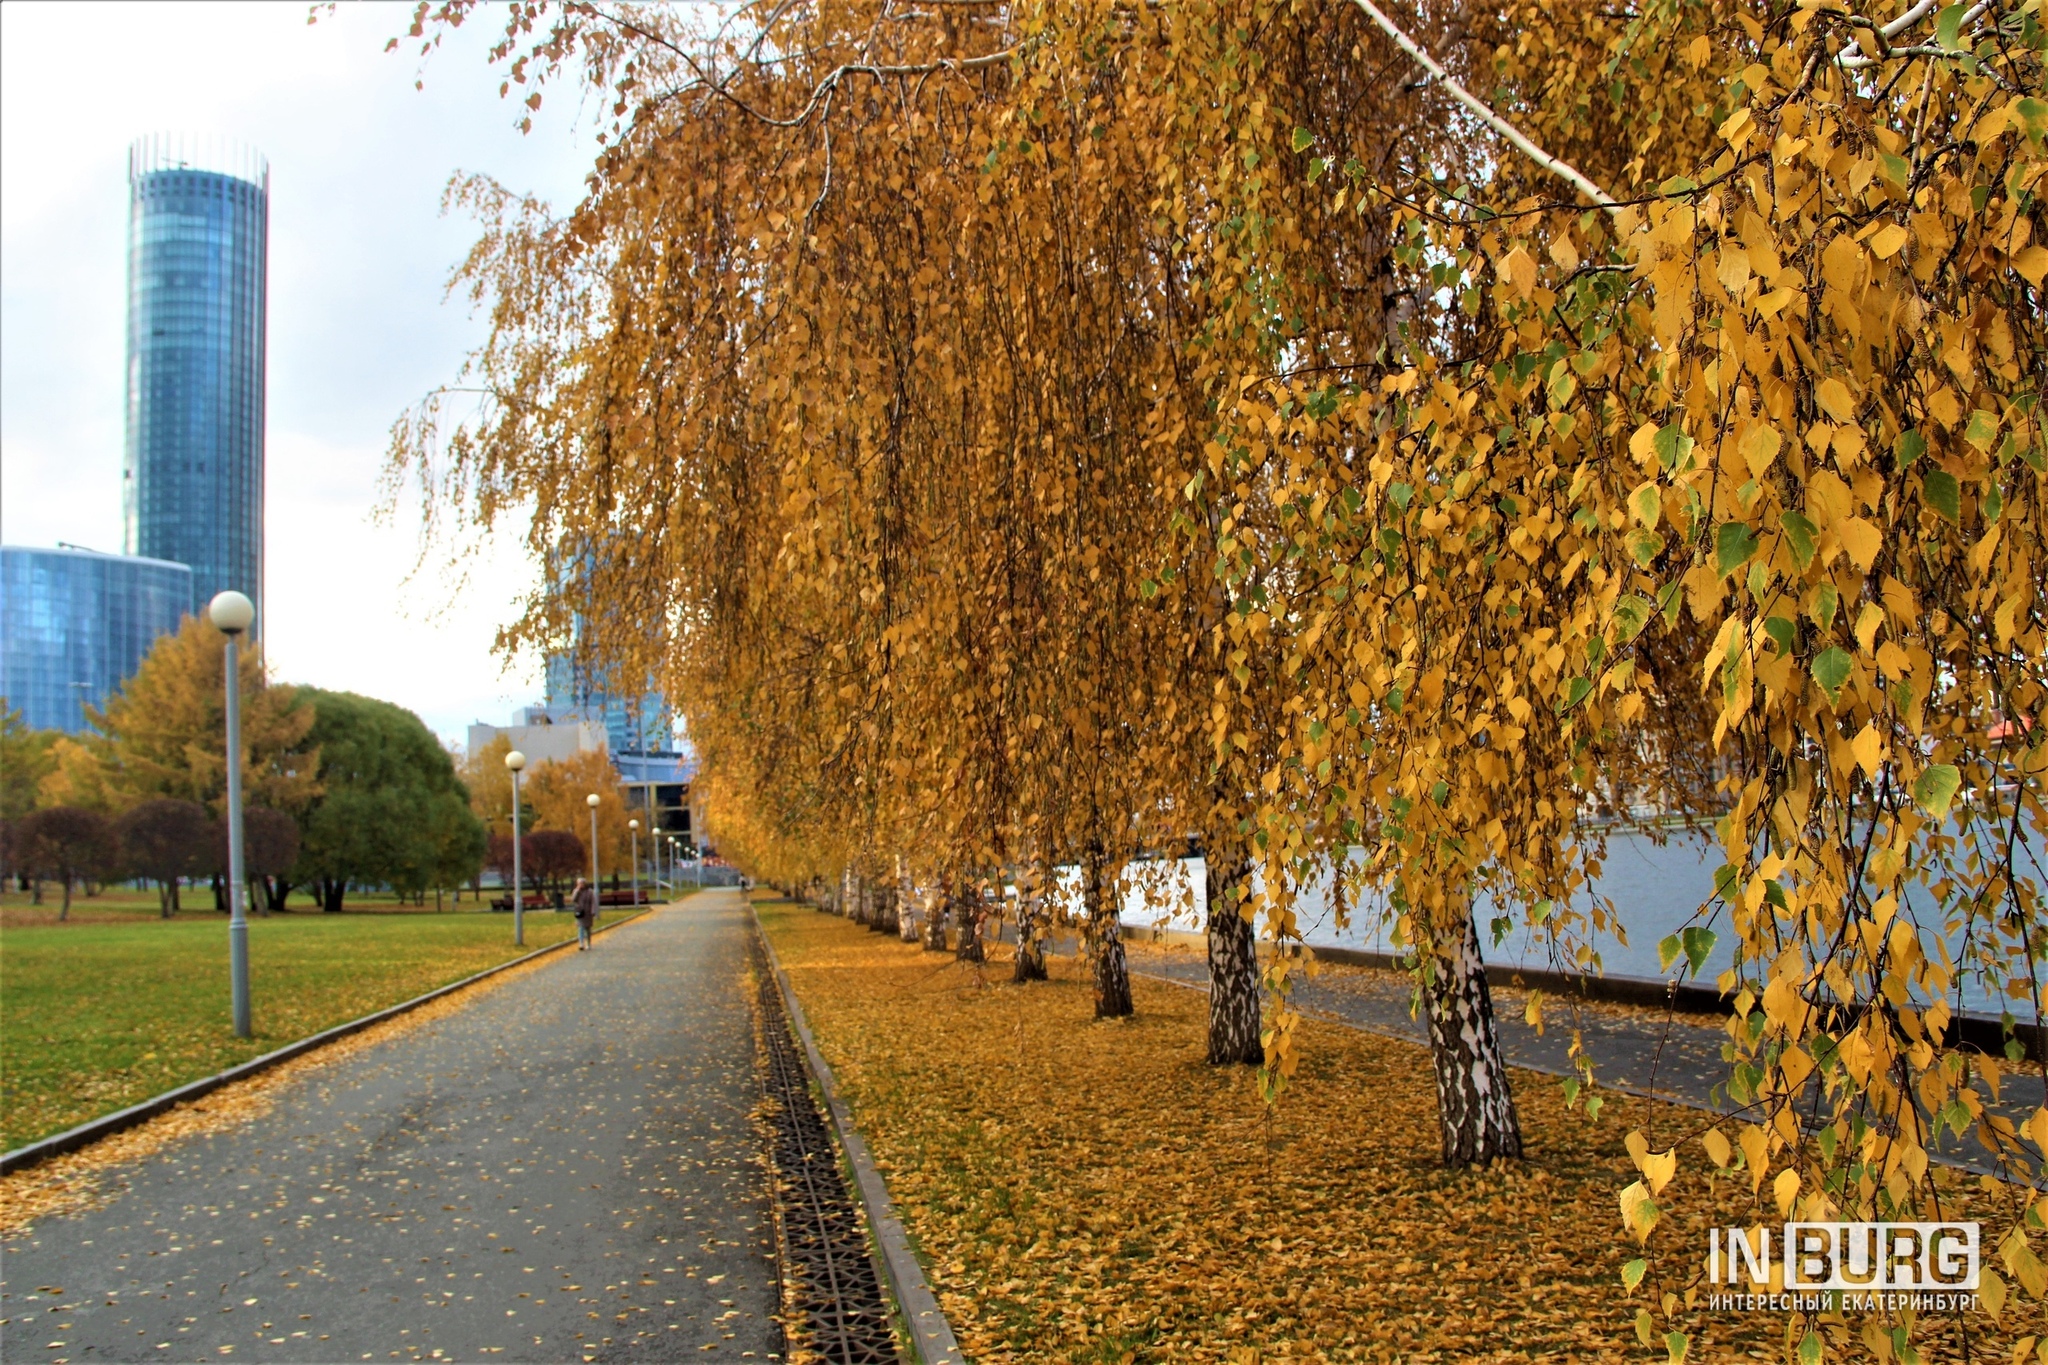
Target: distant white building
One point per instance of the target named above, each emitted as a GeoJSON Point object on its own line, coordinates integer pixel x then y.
{"type": "Point", "coordinates": [546, 742]}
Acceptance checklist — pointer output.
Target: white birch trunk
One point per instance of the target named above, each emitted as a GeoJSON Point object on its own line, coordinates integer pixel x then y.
{"type": "Point", "coordinates": [1475, 1110]}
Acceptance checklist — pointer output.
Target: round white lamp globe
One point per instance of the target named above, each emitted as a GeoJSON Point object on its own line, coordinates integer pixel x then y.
{"type": "Point", "coordinates": [231, 613]}
{"type": "Point", "coordinates": [515, 760]}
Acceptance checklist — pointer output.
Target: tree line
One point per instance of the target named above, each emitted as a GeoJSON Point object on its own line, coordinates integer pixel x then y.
{"type": "Point", "coordinates": [1404, 445]}
{"type": "Point", "coordinates": [340, 790]}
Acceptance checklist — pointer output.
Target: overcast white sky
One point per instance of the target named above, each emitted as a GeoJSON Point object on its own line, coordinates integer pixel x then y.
{"type": "Point", "coordinates": [358, 326]}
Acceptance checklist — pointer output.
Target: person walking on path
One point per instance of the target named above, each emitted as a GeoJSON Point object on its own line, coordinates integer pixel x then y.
{"type": "Point", "coordinates": [585, 902]}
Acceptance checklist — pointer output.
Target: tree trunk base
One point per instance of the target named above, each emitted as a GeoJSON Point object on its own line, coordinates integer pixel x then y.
{"type": "Point", "coordinates": [971, 948]}
{"type": "Point", "coordinates": [1233, 989]}
{"type": "Point", "coordinates": [1112, 977]}
{"type": "Point", "coordinates": [1029, 964]}
{"type": "Point", "coordinates": [1475, 1109]}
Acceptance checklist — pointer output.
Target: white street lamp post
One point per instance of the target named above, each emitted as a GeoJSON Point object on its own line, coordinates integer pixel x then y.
{"type": "Point", "coordinates": [516, 761]}
{"type": "Point", "coordinates": [633, 827]}
{"type": "Point", "coordinates": [592, 801]}
{"type": "Point", "coordinates": [232, 614]}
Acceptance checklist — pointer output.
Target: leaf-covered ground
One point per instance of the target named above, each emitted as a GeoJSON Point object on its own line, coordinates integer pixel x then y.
{"type": "Point", "coordinates": [1094, 1191]}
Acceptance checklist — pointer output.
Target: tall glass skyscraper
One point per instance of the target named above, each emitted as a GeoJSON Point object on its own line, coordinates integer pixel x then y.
{"type": "Point", "coordinates": [75, 625]}
{"type": "Point", "coordinates": [198, 247]}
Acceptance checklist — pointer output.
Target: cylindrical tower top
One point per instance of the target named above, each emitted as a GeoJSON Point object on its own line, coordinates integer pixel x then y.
{"type": "Point", "coordinates": [198, 267]}
{"type": "Point", "coordinates": [210, 152]}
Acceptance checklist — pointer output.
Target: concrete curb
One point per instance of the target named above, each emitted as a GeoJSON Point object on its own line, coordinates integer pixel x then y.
{"type": "Point", "coordinates": [930, 1333]}
{"type": "Point", "coordinates": [91, 1131]}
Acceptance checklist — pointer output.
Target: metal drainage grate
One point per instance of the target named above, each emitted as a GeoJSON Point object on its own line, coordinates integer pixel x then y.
{"type": "Point", "coordinates": [832, 1288]}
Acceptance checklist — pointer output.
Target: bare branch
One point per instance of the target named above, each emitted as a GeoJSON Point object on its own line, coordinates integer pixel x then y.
{"type": "Point", "coordinates": [1601, 198]}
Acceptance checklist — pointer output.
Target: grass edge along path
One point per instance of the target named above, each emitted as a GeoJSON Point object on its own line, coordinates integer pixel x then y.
{"type": "Point", "coordinates": [1093, 1191]}
{"type": "Point", "coordinates": [96, 1018]}
{"type": "Point", "coordinates": [91, 1177]}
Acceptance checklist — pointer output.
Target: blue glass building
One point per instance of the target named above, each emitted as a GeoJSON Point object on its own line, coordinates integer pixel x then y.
{"type": "Point", "coordinates": [198, 246]}
{"type": "Point", "coordinates": [632, 725]}
{"type": "Point", "coordinates": [75, 625]}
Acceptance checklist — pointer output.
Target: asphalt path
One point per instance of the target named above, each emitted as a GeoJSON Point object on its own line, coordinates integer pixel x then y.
{"type": "Point", "coordinates": [564, 1170]}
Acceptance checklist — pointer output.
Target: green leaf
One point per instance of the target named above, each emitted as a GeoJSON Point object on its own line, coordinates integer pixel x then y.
{"type": "Point", "coordinates": [1897, 169]}
{"type": "Point", "coordinates": [1318, 168]}
{"type": "Point", "coordinates": [1631, 615]}
{"type": "Point", "coordinates": [1670, 598]}
{"type": "Point", "coordinates": [1632, 1273]}
{"type": "Point", "coordinates": [1940, 491]}
{"type": "Point", "coordinates": [1734, 543]}
{"type": "Point", "coordinates": [1831, 670]}
{"type": "Point", "coordinates": [1575, 691]}
{"type": "Point", "coordinates": [1934, 791]}
{"type": "Point", "coordinates": [1677, 184]}
{"type": "Point", "coordinates": [1803, 535]}
{"type": "Point", "coordinates": [1594, 1103]}
{"type": "Point", "coordinates": [1982, 432]}
{"type": "Point", "coordinates": [1668, 949]}
{"type": "Point", "coordinates": [1910, 446]}
{"type": "Point", "coordinates": [1644, 547]}
{"type": "Point", "coordinates": [1571, 1091]}
{"type": "Point", "coordinates": [1646, 502]}
{"type": "Point", "coordinates": [1782, 632]}
{"type": "Point", "coordinates": [1825, 600]}
{"type": "Point", "coordinates": [2033, 117]}
{"type": "Point", "coordinates": [1677, 1344]}
{"type": "Point", "coordinates": [1401, 494]}
{"type": "Point", "coordinates": [1671, 444]}
{"type": "Point", "coordinates": [1809, 1349]}
{"type": "Point", "coordinates": [1698, 943]}
{"type": "Point", "coordinates": [1948, 27]}
{"type": "Point", "coordinates": [1726, 878]}
{"type": "Point", "coordinates": [1303, 139]}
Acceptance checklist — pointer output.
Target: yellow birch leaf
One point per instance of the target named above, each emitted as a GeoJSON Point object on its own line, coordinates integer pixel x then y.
{"type": "Point", "coordinates": [2006, 619]}
{"type": "Point", "coordinates": [1861, 540]}
{"type": "Point", "coordinates": [1869, 750]}
{"type": "Point", "coordinates": [1643, 444]}
{"type": "Point", "coordinates": [1657, 1167]}
{"type": "Point", "coordinates": [1718, 1148]}
{"type": "Point", "coordinates": [2032, 264]}
{"type": "Point", "coordinates": [1638, 1211]}
{"type": "Point", "coordinates": [1755, 1142]}
{"type": "Point", "coordinates": [1836, 400]}
{"type": "Point", "coordinates": [1519, 271]}
{"type": "Point", "coordinates": [1992, 1286]}
{"type": "Point", "coordinates": [1887, 242]}
{"type": "Point", "coordinates": [1867, 623]}
{"type": "Point", "coordinates": [1943, 407]}
{"type": "Point", "coordinates": [1760, 447]}
{"type": "Point", "coordinates": [1784, 1190]}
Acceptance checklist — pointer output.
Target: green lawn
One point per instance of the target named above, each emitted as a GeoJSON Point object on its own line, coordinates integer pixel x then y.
{"type": "Point", "coordinates": [95, 1016]}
